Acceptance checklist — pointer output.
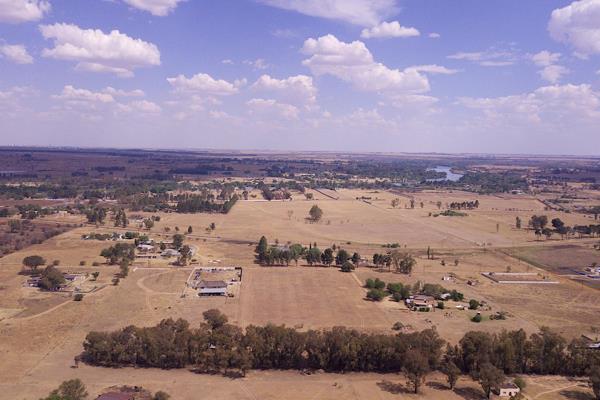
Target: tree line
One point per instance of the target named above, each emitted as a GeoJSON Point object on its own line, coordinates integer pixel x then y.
{"type": "Point", "coordinates": [266, 254]}
{"type": "Point", "coordinates": [219, 347]}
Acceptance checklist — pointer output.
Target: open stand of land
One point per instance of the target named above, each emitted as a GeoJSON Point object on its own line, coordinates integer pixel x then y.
{"type": "Point", "coordinates": [42, 332]}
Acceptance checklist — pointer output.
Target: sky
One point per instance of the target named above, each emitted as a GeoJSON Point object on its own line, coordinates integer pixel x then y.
{"type": "Point", "coordinates": [462, 76]}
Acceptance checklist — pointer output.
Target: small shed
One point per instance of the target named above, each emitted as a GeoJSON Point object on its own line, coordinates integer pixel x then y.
{"type": "Point", "coordinates": [508, 389]}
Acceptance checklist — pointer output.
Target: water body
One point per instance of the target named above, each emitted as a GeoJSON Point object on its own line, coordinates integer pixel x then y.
{"type": "Point", "coordinates": [450, 176]}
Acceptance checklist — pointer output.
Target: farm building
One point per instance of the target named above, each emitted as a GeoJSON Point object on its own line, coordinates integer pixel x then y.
{"type": "Point", "coordinates": [74, 277]}
{"type": "Point", "coordinates": [170, 253]}
{"type": "Point", "coordinates": [145, 248]}
{"type": "Point", "coordinates": [212, 288]}
{"type": "Point", "coordinates": [508, 389]}
{"type": "Point", "coordinates": [116, 396]}
{"type": "Point", "coordinates": [420, 301]}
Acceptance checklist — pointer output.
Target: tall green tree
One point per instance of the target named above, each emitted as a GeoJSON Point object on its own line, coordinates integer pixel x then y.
{"type": "Point", "coordinates": [72, 389]}
{"type": "Point", "coordinates": [415, 368]}
{"type": "Point", "coordinates": [315, 213]}
{"type": "Point", "coordinates": [34, 262]}
{"type": "Point", "coordinates": [490, 378]}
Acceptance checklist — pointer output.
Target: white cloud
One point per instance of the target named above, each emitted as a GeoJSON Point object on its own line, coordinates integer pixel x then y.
{"type": "Point", "coordinates": [123, 93]}
{"type": "Point", "coordinates": [272, 108]}
{"type": "Point", "coordinates": [553, 73]}
{"type": "Point", "coordinates": [545, 58]}
{"type": "Point", "coordinates": [97, 51]}
{"type": "Point", "coordinates": [204, 83]}
{"type": "Point", "coordinates": [17, 11]}
{"type": "Point", "coordinates": [433, 69]}
{"type": "Point", "coordinates": [159, 8]}
{"type": "Point", "coordinates": [299, 88]}
{"type": "Point", "coordinates": [434, 35]}
{"type": "Point", "coordinates": [16, 53]}
{"type": "Point", "coordinates": [227, 61]}
{"type": "Point", "coordinates": [578, 25]}
{"type": "Point", "coordinates": [550, 71]}
{"type": "Point", "coordinates": [258, 64]}
{"type": "Point", "coordinates": [354, 63]}
{"type": "Point", "coordinates": [358, 12]}
{"type": "Point", "coordinates": [389, 30]}
{"type": "Point", "coordinates": [487, 58]}
{"type": "Point", "coordinates": [555, 104]}
{"type": "Point", "coordinates": [140, 107]}
{"type": "Point", "coordinates": [75, 95]}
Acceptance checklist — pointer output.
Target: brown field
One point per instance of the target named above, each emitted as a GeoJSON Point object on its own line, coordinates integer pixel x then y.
{"type": "Point", "coordinates": [41, 332]}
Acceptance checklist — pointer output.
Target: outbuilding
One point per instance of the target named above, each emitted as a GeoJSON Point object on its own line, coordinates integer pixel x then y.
{"type": "Point", "coordinates": [212, 288]}
{"type": "Point", "coordinates": [508, 389]}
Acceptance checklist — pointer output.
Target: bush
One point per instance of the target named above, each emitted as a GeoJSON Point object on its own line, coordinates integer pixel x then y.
{"type": "Point", "coordinates": [95, 264]}
{"type": "Point", "coordinates": [520, 382]}
{"type": "Point", "coordinates": [376, 294]}
{"type": "Point", "coordinates": [375, 284]}
{"type": "Point", "coordinates": [477, 318]}
{"type": "Point", "coordinates": [82, 263]}
{"type": "Point", "coordinates": [78, 297]}
{"type": "Point", "coordinates": [398, 326]}
{"type": "Point", "coordinates": [347, 266]}
{"type": "Point", "coordinates": [473, 304]}
{"type": "Point", "coordinates": [441, 305]}
{"type": "Point", "coordinates": [56, 263]}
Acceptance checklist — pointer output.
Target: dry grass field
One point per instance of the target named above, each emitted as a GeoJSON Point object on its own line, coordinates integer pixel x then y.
{"type": "Point", "coordinates": [42, 332]}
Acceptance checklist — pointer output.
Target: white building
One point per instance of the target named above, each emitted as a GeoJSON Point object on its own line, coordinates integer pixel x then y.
{"type": "Point", "coordinates": [508, 390]}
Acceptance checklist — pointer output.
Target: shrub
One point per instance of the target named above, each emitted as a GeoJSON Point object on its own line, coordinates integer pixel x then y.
{"type": "Point", "coordinates": [95, 264]}
{"type": "Point", "coordinates": [520, 382]}
{"type": "Point", "coordinates": [477, 318]}
{"type": "Point", "coordinates": [375, 284]}
{"type": "Point", "coordinates": [78, 297]}
{"type": "Point", "coordinates": [441, 305]}
{"type": "Point", "coordinates": [82, 263]}
{"type": "Point", "coordinates": [473, 304]}
{"type": "Point", "coordinates": [376, 294]}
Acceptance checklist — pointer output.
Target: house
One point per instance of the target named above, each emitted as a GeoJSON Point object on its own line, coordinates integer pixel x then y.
{"type": "Point", "coordinates": [212, 288]}
{"type": "Point", "coordinates": [33, 282]}
{"type": "Point", "coordinates": [508, 389]}
{"type": "Point", "coordinates": [74, 277]}
{"type": "Point", "coordinates": [145, 248]}
{"type": "Point", "coordinates": [420, 301]}
{"type": "Point", "coordinates": [170, 253]}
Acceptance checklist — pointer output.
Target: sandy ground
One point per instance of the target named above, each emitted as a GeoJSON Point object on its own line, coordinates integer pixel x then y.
{"type": "Point", "coordinates": [41, 333]}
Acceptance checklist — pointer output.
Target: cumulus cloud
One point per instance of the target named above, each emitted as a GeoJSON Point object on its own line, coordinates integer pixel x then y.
{"type": "Point", "coordinates": [159, 8]}
{"type": "Point", "coordinates": [389, 30]}
{"type": "Point", "coordinates": [354, 63]}
{"type": "Point", "coordinates": [75, 95]}
{"type": "Point", "coordinates": [16, 53]}
{"type": "Point", "coordinates": [545, 58]}
{"type": "Point", "coordinates": [358, 12]}
{"type": "Point", "coordinates": [550, 104]}
{"type": "Point", "coordinates": [487, 58]}
{"type": "Point", "coordinates": [96, 51]}
{"type": "Point", "coordinates": [204, 83]}
{"type": "Point", "coordinates": [434, 35]}
{"type": "Point", "coordinates": [272, 108]}
{"type": "Point", "coordinates": [299, 88]}
{"type": "Point", "coordinates": [17, 11]}
{"type": "Point", "coordinates": [578, 25]}
{"type": "Point", "coordinates": [550, 71]}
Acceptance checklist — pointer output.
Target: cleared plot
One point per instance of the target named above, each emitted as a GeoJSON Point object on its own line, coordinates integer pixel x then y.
{"type": "Point", "coordinates": [307, 297]}
{"type": "Point", "coordinates": [560, 259]}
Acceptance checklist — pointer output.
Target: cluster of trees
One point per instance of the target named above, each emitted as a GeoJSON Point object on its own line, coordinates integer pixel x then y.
{"type": "Point", "coordinates": [95, 215]}
{"type": "Point", "coordinates": [464, 205]}
{"type": "Point", "coordinates": [200, 204]}
{"type": "Point", "coordinates": [279, 255]}
{"type": "Point", "coordinates": [119, 253]}
{"type": "Point", "coordinates": [121, 218]}
{"type": "Point", "coordinates": [218, 347]}
{"type": "Point", "coordinates": [51, 278]}
{"type": "Point", "coordinates": [402, 262]}
{"type": "Point", "coordinates": [539, 223]}
{"type": "Point", "coordinates": [378, 290]}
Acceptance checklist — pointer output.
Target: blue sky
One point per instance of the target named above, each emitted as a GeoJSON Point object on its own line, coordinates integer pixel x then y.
{"type": "Point", "coordinates": [507, 76]}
